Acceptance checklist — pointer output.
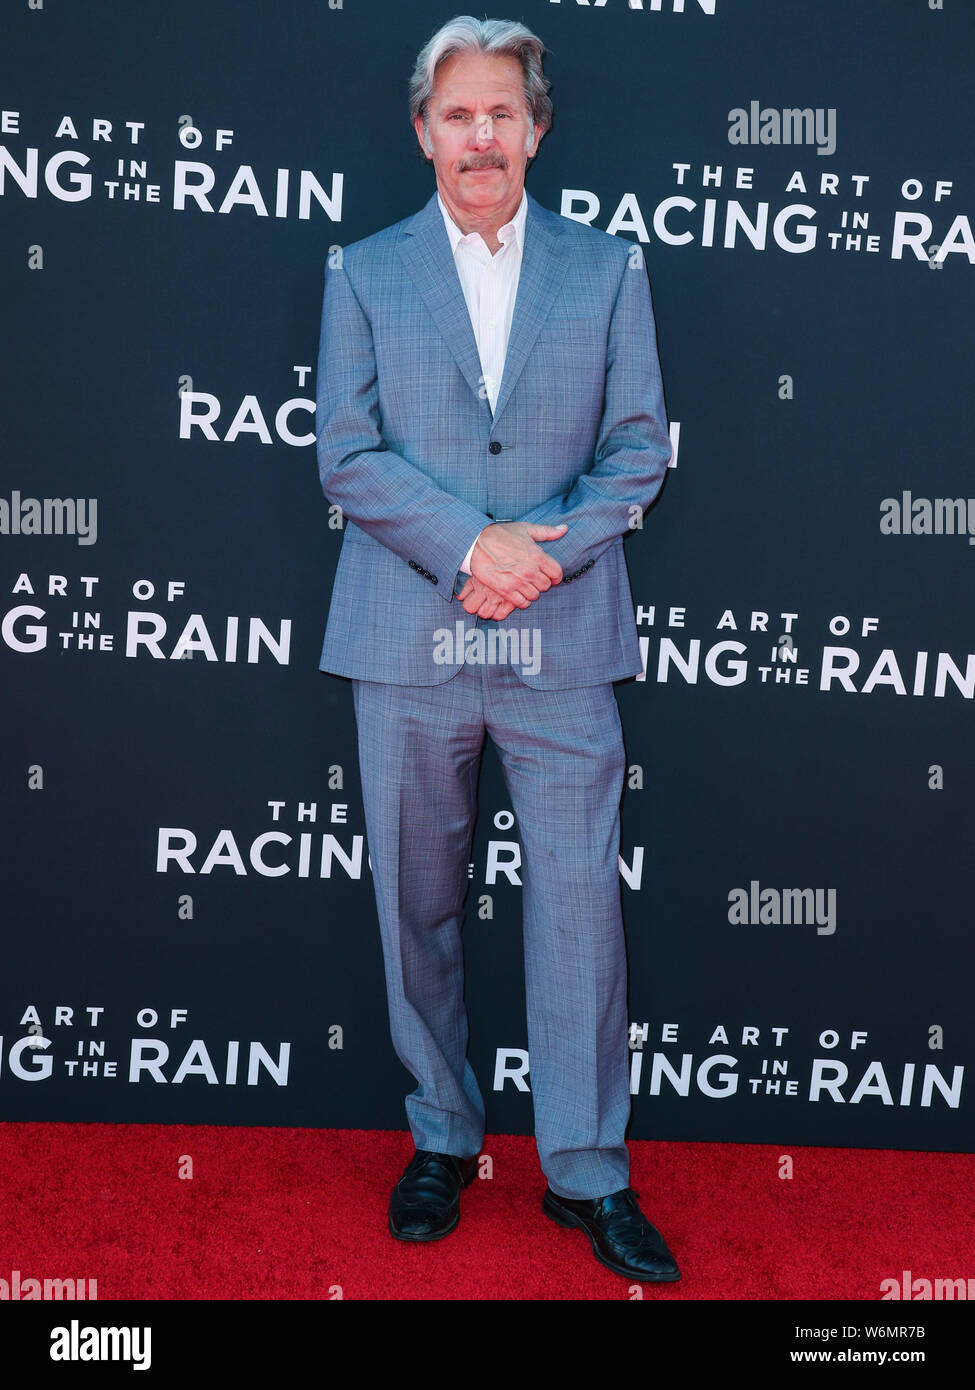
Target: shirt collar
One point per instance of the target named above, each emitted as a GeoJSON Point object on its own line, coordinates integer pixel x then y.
{"type": "Point", "coordinates": [517, 222]}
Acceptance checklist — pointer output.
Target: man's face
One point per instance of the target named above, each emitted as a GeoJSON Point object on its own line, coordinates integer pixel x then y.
{"type": "Point", "coordinates": [478, 129]}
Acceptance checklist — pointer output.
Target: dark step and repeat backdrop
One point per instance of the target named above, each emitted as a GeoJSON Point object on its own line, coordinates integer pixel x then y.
{"type": "Point", "coordinates": [189, 926]}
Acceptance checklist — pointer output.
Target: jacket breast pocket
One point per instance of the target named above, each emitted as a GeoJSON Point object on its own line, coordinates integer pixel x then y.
{"type": "Point", "coordinates": [580, 335]}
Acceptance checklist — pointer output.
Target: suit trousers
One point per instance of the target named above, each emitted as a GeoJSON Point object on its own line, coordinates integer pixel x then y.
{"type": "Point", "coordinates": [563, 759]}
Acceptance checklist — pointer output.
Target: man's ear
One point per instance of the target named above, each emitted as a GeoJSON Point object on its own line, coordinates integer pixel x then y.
{"type": "Point", "coordinates": [418, 128]}
{"type": "Point", "coordinates": [541, 132]}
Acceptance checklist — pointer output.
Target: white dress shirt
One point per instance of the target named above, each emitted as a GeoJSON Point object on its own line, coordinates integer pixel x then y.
{"type": "Point", "coordinates": [490, 284]}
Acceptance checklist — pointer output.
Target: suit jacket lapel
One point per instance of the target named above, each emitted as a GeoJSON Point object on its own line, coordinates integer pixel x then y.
{"type": "Point", "coordinates": [542, 272]}
{"type": "Point", "coordinates": [425, 252]}
{"type": "Point", "coordinates": [427, 258]}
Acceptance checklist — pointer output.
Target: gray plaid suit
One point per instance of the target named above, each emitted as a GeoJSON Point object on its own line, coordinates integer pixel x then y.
{"type": "Point", "coordinates": [409, 448]}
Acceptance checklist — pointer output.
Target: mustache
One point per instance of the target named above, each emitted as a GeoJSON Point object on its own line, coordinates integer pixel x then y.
{"type": "Point", "coordinates": [485, 162]}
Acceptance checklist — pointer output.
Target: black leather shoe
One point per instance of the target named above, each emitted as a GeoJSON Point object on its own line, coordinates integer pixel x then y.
{"type": "Point", "coordinates": [621, 1236]}
{"type": "Point", "coordinates": [425, 1204]}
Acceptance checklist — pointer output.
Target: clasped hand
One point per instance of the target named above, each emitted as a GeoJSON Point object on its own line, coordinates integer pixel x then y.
{"type": "Point", "coordinates": [509, 569]}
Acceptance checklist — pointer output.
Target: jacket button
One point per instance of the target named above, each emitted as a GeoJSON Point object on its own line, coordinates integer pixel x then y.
{"type": "Point", "coordinates": [494, 447]}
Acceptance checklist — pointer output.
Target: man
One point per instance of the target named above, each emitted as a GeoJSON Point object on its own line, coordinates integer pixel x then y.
{"type": "Point", "coordinates": [491, 423]}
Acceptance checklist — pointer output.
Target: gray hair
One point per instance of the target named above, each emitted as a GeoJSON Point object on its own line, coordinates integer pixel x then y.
{"type": "Point", "coordinates": [504, 38]}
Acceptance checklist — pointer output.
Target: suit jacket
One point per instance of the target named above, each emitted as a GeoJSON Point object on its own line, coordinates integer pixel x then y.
{"type": "Point", "coordinates": [409, 449]}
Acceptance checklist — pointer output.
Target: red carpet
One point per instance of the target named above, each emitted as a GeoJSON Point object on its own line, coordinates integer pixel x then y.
{"type": "Point", "coordinates": [292, 1213]}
